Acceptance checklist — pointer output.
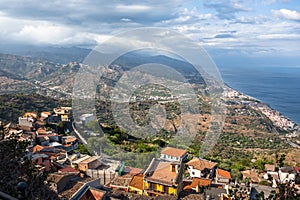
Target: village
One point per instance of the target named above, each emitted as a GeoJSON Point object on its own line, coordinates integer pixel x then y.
{"type": "Point", "coordinates": [55, 149]}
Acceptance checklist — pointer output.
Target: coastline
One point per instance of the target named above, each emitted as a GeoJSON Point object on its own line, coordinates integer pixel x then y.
{"type": "Point", "coordinates": [277, 118]}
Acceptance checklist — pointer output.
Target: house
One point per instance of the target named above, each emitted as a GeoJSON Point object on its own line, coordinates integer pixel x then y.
{"type": "Point", "coordinates": [70, 143]}
{"type": "Point", "coordinates": [52, 119]}
{"type": "Point", "coordinates": [75, 161]}
{"type": "Point", "coordinates": [26, 121]}
{"type": "Point", "coordinates": [68, 169]}
{"type": "Point", "coordinates": [163, 177]}
{"type": "Point", "coordinates": [89, 163]}
{"type": "Point", "coordinates": [42, 160]}
{"type": "Point", "coordinates": [197, 184]}
{"type": "Point", "coordinates": [198, 167]}
{"type": "Point", "coordinates": [78, 188]}
{"type": "Point", "coordinates": [63, 112]}
{"type": "Point", "coordinates": [42, 131]}
{"type": "Point", "coordinates": [269, 168]}
{"type": "Point", "coordinates": [132, 170]}
{"type": "Point", "coordinates": [43, 140]}
{"type": "Point", "coordinates": [33, 115]}
{"type": "Point", "coordinates": [126, 176]}
{"type": "Point", "coordinates": [173, 154]}
{"type": "Point", "coordinates": [121, 182]}
{"type": "Point", "coordinates": [45, 114]}
{"type": "Point", "coordinates": [72, 140]}
{"type": "Point", "coordinates": [252, 175]}
{"type": "Point", "coordinates": [54, 137]}
{"type": "Point", "coordinates": [136, 184]}
{"type": "Point", "coordinates": [56, 145]}
{"type": "Point", "coordinates": [286, 174]}
{"type": "Point", "coordinates": [216, 193]}
{"type": "Point", "coordinates": [92, 193]}
{"type": "Point", "coordinates": [222, 176]}
{"type": "Point", "coordinates": [256, 189]}
{"type": "Point", "coordinates": [58, 181]}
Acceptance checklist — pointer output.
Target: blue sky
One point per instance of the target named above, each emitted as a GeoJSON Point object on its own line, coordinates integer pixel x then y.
{"type": "Point", "coordinates": [228, 27]}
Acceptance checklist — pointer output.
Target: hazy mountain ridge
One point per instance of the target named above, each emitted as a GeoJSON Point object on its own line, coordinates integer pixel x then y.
{"type": "Point", "coordinates": [61, 55]}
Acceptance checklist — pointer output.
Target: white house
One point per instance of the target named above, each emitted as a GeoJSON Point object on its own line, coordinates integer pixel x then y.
{"type": "Point", "coordinates": [173, 154]}
{"type": "Point", "coordinates": [198, 167]}
{"type": "Point", "coordinates": [286, 174]}
{"type": "Point", "coordinates": [222, 176]}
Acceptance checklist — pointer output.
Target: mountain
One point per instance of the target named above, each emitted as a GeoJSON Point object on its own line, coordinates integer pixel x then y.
{"type": "Point", "coordinates": [61, 55]}
{"type": "Point", "coordinates": [20, 74]}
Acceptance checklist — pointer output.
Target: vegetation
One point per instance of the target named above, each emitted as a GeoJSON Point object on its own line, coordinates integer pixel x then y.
{"type": "Point", "coordinates": [17, 167]}
{"type": "Point", "coordinates": [14, 105]}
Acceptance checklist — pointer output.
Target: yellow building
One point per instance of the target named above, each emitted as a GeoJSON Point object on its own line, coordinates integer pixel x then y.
{"type": "Point", "coordinates": [136, 184]}
{"type": "Point", "coordinates": [63, 112]}
{"type": "Point", "coordinates": [163, 178]}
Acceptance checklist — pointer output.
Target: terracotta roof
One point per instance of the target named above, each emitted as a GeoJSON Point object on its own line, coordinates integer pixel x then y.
{"type": "Point", "coordinates": [132, 171]}
{"type": "Point", "coordinates": [70, 139]}
{"type": "Point", "coordinates": [253, 175]}
{"type": "Point", "coordinates": [174, 151]}
{"type": "Point", "coordinates": [159, 171]}
{"type": "Point", "coordinates": [269, 167]}
{"type": "Point", "coordinates": [297, 169]}
{"type": "Point", "coordinates": [200, 182]}
{"type": "Point", "coordinates": [37, 148]}
{"type": "Point", "coordinates": [137, 182]}
{"type": "Point", "coordinates": [41, 131]}
{"type": "Point", "coordinates": [46, 113]}
{"type": "Point", "coordinates": [73, 186]}
{"type": "Point", "coordinates": [90, 159]}
{"type": "Point", "coordinates": [201, 164]}
{"type": "Point", "coordinates": [93, 193]}
{"type": "Point", "coordinates": [121, 181]}
{"type": "Point", "coordinates": [56, 177]}
{"type": "Point", "coordinates": [68, 169]}
{"type": "Point", "coordinates": [31, 114]}
{"type": "Point", "coordinates": [223, 173]}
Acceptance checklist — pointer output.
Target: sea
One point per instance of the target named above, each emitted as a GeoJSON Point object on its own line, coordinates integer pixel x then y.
{"type": "Point", "coordinates": [278, 87]}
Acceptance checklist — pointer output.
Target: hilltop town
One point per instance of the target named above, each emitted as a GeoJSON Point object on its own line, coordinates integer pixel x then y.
{"type": "Point", "coordinates": [255, 157]}
{"type": "Point", "coordinates": [71, 172]}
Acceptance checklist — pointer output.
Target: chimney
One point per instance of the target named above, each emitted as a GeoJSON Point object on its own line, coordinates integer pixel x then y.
{"type": "Point", "coordinates": [177, 168]}
{"type": "Point", "coordinates": [172, 168]}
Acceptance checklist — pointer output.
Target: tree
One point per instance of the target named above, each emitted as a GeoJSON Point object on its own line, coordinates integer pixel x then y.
{"type": "Point", "coordinates": [287, 191]}
{"type": "Point", "coordinates": [281, 159]}
{"type": "Point", "coordinates": [94, 126]}
{"type": "Point", "coordinates": [17, 167]}
{"type": "Point", "coordinates": [236, 174]}
{"type": "Point", "coordinates": [3, 131]}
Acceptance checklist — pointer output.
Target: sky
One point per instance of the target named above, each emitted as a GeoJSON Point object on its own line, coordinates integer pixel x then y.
{"type": "Point", "coordinates": [229, 27]}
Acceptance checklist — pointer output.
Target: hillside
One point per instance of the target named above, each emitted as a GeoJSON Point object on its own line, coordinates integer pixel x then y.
{"type": "Point", "coordinates": [246, 128]}
{"type": "Point", "coordinates": [14, 105]}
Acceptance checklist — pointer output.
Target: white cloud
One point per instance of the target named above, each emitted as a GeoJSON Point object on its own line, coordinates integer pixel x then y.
{"type": "Point", "coordinates": [279, 36]}
{"type": "Point", "coordinates": [45, 33]}
{"type": "Point", "coordinates": [126, 20]}
{"type": "Point", "coordinates": [131, 8]}
{"type": "Point", "coordinates": [287, 14]}
{"type": "Point", "coordinates": [79, 22]}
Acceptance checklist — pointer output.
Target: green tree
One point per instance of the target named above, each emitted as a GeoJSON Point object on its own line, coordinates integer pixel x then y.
{"type": "Point", "coordinates": [93, 125]}
{"type": "Point", "coordinates": [16, 166]}
{"type": "Point", "coordinates": [281, 159]}
{"type": "Point", "coordinates": [236, 174]}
